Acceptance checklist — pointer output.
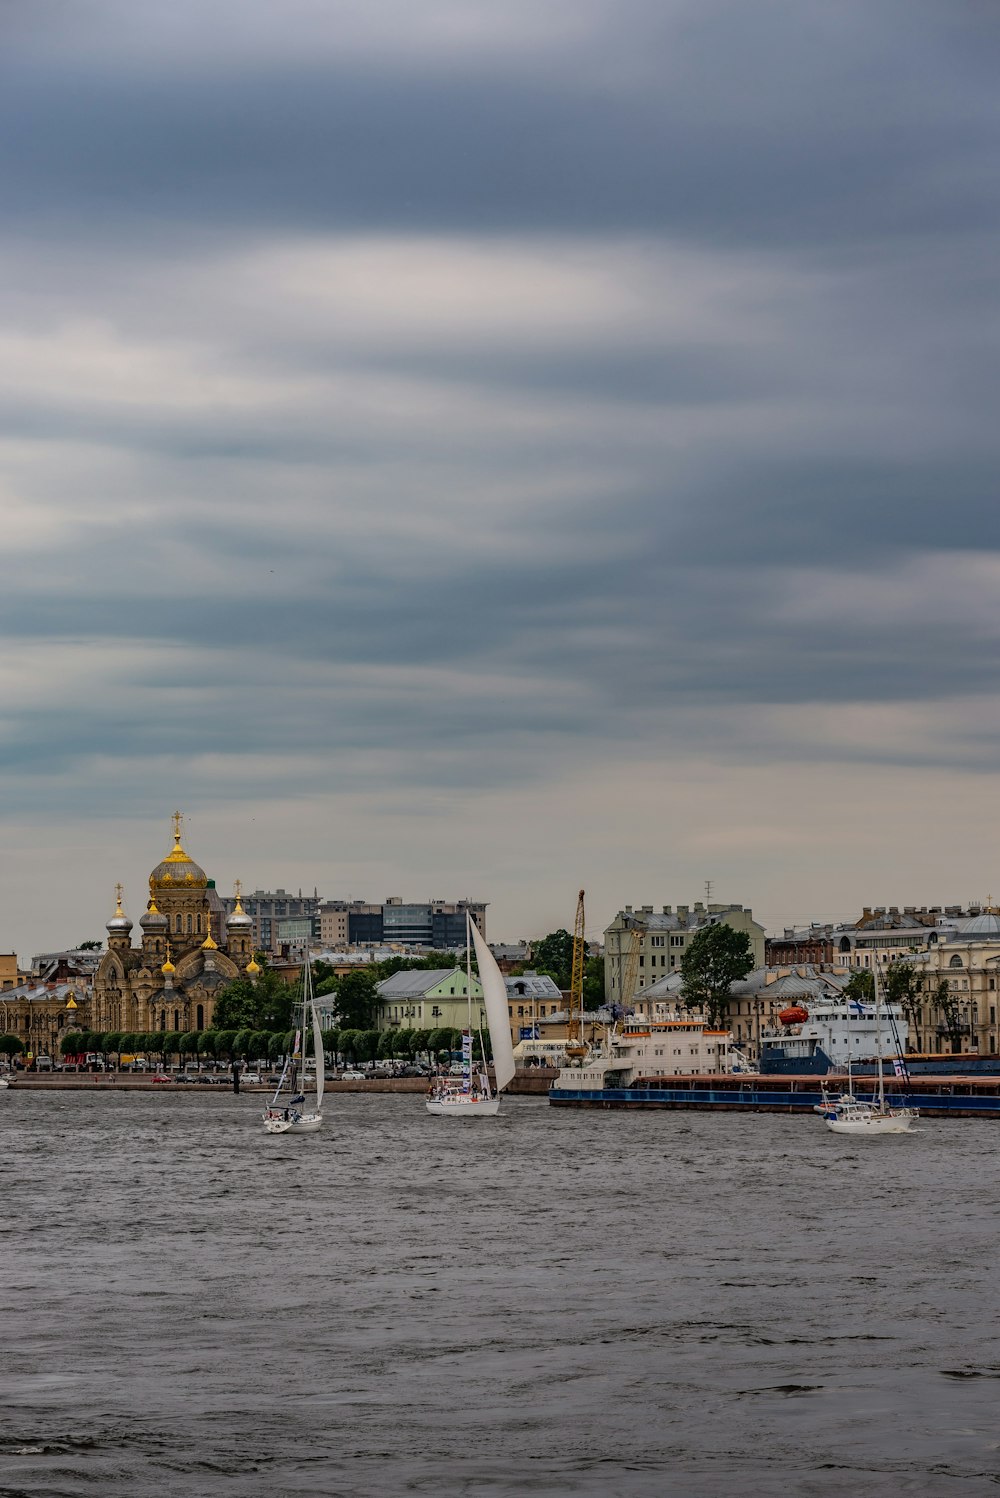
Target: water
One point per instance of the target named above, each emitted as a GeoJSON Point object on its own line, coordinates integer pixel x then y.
{"type": "Point", "coordinates": [559, 1302]}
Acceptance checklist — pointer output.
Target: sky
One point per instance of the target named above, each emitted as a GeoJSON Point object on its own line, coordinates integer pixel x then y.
{"type": "Point", "coordinates": [456, 449]}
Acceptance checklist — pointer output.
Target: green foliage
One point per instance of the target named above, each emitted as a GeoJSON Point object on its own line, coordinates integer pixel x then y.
{"type": "Point", "coordinates": [717, 957]}
{"type": "Point", "coordinates": [243, 1044]}
{"type": "Point", "coordinates": [553, 954]}
{"type": "Point", "coordinates": [70, 1045]}
{"type": "Point", "coordinates": [860, 988]}
{"type": "Point", "coordinates": [947, 1003]}
{"type": "Point", "coordinates": [10, 1045]}
{"type": "Point", "coordinates": [357, 999]}
{"type": "Point", "coordinates": [188, 1045]}
{"type": "Point", "coordinates": [419, 1042]}
{"type": "Point", "coordinates": [902, 986]}
{"type": "Point", "coordinates": [90, 946]}
{"type": "Point", "coordinates": [112, 1043]}
{"type": "Point", "coordinates": [593, 983]}
{"type": "Point", "coordinates": [266, 1004]}
{"type": "Point", "coordinates": [368, 1044]}
{"type": "Point", "coordinates": [331, 1044]}
{"type": "Point", "coordinates": [386, 1047]}
{"type": "Point", "coordinates": [259, 1042]}
{"type": "Point", "coordinates": [275, 1047]}
{"type": "Point", "coordinates": [349, 1044]}
{"type": "Point", "coordinates": [225, 1040]}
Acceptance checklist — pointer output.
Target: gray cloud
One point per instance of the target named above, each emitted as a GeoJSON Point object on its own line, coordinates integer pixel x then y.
{"type": "Point", "coordinates": [420, 412]}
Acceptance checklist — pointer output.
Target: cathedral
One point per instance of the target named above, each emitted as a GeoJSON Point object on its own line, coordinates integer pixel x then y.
{"type": "Point", "coordinates": [189, 951]}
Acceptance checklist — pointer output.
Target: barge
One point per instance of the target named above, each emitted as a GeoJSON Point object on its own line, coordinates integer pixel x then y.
{"type": "Point", "coordinates": [936, 1097]}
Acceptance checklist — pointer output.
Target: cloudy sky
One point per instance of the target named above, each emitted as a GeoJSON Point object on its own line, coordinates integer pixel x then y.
{"type": "Point", "coordinates": [452, 448]}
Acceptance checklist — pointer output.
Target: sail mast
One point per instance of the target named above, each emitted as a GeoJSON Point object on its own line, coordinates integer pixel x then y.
{"type": "Point", "coordinates": [878, 1041]}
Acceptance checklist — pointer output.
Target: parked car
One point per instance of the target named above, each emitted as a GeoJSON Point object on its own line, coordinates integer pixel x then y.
{"type": "Point", "coordinates": [251, 1078]}
{"type": "Point", "coordinates": [455, 1069]}
{"type": "Point", "coordinates": [161, 1076]}
{"type": "Point", "coordinates": [353, 1076]}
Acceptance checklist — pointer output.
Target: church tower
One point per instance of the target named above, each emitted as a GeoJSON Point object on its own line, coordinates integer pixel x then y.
{"type": "Point", "coordinates": [179, 889]}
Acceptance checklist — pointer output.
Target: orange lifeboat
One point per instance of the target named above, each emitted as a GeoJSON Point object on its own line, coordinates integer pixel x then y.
{"type": "Point", "coordinates": [795, 1015]}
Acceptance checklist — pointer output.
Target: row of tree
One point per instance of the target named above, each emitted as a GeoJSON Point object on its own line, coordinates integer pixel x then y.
{"type": "Point", "coordinates": [260, 1045]}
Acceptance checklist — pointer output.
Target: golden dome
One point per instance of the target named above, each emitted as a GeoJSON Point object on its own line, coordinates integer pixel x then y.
{"type": "Point", "coordinates": [208, 944]}
{"type": "Point", "coordinates": [168, 966]}
{"type": "Point", "coordinates": [253, 968]}
{"type": "Point", "coordinates": [177, 868]}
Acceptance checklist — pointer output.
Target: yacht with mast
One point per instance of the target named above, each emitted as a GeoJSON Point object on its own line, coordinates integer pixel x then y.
{"type": "Point", "coordinates": [288, 1115]}
{"type": "Point", "coordinates": [470, 1096]}
{"type": "Point", "coordinates": [850, 1115]}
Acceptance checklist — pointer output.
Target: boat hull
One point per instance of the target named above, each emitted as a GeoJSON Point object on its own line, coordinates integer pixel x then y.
{"type": "Point", "coordinates": [464, 1107]}
{"type": "Point", "coordinates": [945, 1097]}
{"type": "Point", "coordinates": [308, 1123]}
{"type": "Point", "coordinates": [866, 1127]}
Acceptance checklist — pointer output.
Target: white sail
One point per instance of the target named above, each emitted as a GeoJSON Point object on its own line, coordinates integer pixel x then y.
{"type": "Point", "coordinates": [495, 999]}
{"type": "Point", "coordinates": [320, 1063]}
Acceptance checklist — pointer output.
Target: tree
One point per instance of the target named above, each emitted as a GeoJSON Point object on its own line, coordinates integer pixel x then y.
{"type": "Point", "coordinates": [860, 988]}
{"type": "Point", "coordinates": [70, 1045]}
{"type": "Point", "coordinates": [90, 946]}
{"type": "Point", "coordinates": [243, 1044]}
{"type": "Point", "coordinates": [553, 954]}
{"type": "Point", "coordinates": [593, 983]}
{"type": "Point", "coordinates": [386, 1045]}
{"type": "Point", "coordinates": [357, 999]}
{"type": "Point", "coordinates": [902, 986]}
{"type": "Point", "coordinates": [10, 1045]}
{"type": "Point", "coordinates": [947, 1002]}
{"type": "Point", "coordinates": [717, 957]}
{"type": "Point", "coordinates": [266, 1004]}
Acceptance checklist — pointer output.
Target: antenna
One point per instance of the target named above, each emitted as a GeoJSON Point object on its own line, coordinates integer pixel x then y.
{"type": "Point", "coordinates": [708, 891]}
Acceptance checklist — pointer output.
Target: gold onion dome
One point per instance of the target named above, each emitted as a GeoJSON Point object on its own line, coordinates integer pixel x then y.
{"type": "Point", "coordinates": [119, 921]}
{"type": "Point", "coordinates": [168, 967]}
{"type": "Point", "coordinates": [208, 944]}
{"type": "Point", "coordinates": [253, 967]}
{"type": "Point", "coordinates": [177, 868]}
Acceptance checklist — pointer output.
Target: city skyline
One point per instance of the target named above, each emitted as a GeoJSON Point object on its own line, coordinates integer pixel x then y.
{"type": "Point", "coordinates": [498, 451]}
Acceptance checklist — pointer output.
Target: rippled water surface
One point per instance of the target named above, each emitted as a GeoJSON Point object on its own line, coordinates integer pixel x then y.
{"type": "Point", "coordinates": [557, 1302]}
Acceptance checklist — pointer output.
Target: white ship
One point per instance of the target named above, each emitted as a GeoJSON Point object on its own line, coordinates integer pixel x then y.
{"type": "Point", "coordinates": [812, 1041]}
{"type": "Point", "coordinates": [678, 1046]}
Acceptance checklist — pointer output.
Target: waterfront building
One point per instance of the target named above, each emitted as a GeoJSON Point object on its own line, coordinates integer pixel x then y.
{"type": "Point", "coordinates": [429, 999]}
{"type": "Point", "coordinates": [189, 950]}
{"type": "Point", "coordinates": [8, 970]}
{"type": "Point", "coordinates": [418, 999]}
{"type": "Point", "coordinates": [436, 924]}
{"type": "Point", "coordinates": [959, 989]}
{"type": "Point", "coordinates": [39, 1013]}
{"type": "Point", "coordinates": [642, 946]}
{"type": "Point", "coordinates": [279, 918]}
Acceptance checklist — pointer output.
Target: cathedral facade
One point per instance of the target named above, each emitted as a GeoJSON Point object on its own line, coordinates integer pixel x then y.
{"type": "Point", "coordinates": [188, 952]}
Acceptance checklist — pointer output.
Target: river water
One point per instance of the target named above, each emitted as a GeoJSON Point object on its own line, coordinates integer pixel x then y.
{"type": "Point", "coordinates": [557, 1302]}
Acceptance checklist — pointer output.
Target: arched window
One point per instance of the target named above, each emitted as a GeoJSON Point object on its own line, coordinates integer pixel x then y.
{"type": "Point", "coordinates": [956, 961]}
{"type": "Point", "coordinates": [200, 1021]}
{"type": "Point", "coordinates": [190, 926]}
{"type": "Point", "coordinates": [178, 925]}
{"type": "Point", "coordinates": [845, 943]}
{"type": "Point", "coordinates": [163, 1020]}
{"type": "Point", "coordinates": [177, 1019]}
{"type": "Point", "coordinates": [198, 927]}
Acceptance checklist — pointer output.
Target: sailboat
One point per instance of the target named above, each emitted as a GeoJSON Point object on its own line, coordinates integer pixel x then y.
{"type": "Point", "coordinates": [288, 1115]}
{"type": "Point", "coordinates": [850, 1115]}
{"type": "Point", "coordinates": [471, 1097]}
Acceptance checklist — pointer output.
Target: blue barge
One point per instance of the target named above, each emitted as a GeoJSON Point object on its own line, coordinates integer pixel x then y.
{"type": "Point", "coordinates": [940, 1097]}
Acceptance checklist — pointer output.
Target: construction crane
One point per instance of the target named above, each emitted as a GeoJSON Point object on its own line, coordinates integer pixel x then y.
{"type": "Point", "coordinates": [575, 1044]}
{"type": "Point", "coordinates": [628, 964]}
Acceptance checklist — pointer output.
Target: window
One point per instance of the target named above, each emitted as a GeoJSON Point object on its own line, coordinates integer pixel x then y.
{"type": "Point", "coordinates": [956, 961]}
{"type": "Point", "coordinates": [190, 925]}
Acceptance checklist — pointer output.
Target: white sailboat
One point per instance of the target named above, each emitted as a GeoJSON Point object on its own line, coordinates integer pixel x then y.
{"type": "Point", "coordinates": [851, 1115]}
{"type": "Point", "coordinates": [471, 1097]}
{"type": "Point", "coordinates": [289, 1115]}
